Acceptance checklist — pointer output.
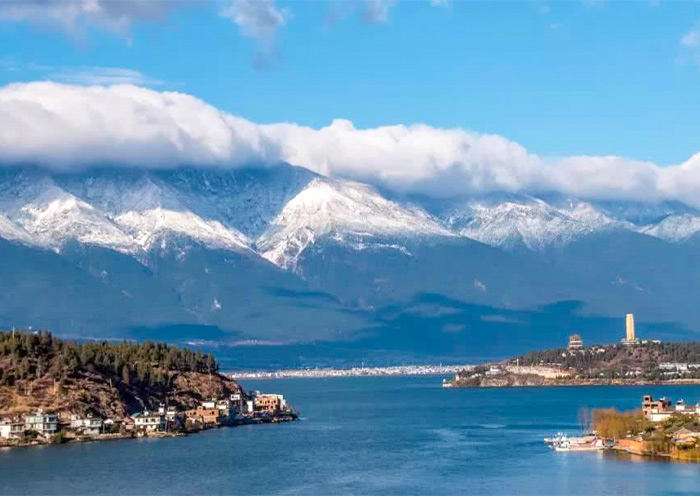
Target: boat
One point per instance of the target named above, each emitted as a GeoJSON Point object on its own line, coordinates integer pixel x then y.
{"type": "Point", "coordinates": [555, 439]}
{"type": "Point", "coordinates": [575, 444]}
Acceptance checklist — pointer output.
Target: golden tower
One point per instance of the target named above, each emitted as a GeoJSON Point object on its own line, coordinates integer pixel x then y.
{"type": "Point", "coordinates": [630, 327]}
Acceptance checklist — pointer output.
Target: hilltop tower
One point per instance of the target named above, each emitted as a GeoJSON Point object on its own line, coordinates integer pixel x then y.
{"type": "Point", "coordinates": [630, 337]}
{"type": "Point", "coordinates": [630, 326]}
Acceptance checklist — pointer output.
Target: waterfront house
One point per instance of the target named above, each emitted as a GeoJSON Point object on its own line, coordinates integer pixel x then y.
{"type": "Point", "coordinates": [12, 429]}
{"type": "Point", "coordinates": [147, 421]}
{"type": "Point", "coordinates": [656, 410]}
{"type": "Point", "coordinates": [88, 425]}
{"type": "Point", "coordinates": [204, 415]}
{"type": "Point", "coordinates": [270, 403]}
{"type": "Point", "coordinates": [44, 424]}
{"type": "Point", "coordinates": [170, 412]}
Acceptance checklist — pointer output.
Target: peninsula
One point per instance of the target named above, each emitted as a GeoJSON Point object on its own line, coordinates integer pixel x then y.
{"type": "Point", "coordinates": [56, 391]}
{"type": "Point", "coordinates": [616, 364]}
{"type": "Point", "coordinates": [633, 361]}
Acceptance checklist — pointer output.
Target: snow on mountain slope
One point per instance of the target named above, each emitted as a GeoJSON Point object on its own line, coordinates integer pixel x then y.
{"type": "Point", "coordinates": [51, 216]}
{"type": "Point", "coordinates": [150, 228]}
{"type": "Point", "coordinates": [523, 220]}
{"type": "Point", "coordinates": [246, 199]}
{"type": "Point", "coordinates": [674, 228]}
{"type": "Point", "coordinates": [149, 211]}
{"type": "Point", "coordinates": [278, 212]}
{"type": "Point", "coordinates": [127, 212]}
{"type": "Point", "coordinates": [341, 209]}
{"type": "Point", "coordinates": [13, 232]}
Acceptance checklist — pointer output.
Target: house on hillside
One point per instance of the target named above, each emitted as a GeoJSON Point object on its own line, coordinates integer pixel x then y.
{"type": "Point", "coordinates": [44, 424]}
{"type": "Point", "coordinates": [11, 429]}
{"type": "Point", "coordinates": [148, 421]}
{"type": "Point", "coordinates": [270, 403]}
{"type": "Point", "coordinates": [88, 425]}
{"type": "Point", "coordinates": [204, 415]}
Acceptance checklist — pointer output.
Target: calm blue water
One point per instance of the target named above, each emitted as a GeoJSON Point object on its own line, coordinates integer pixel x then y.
{"type": "Point", "coordinates": [388, 435]}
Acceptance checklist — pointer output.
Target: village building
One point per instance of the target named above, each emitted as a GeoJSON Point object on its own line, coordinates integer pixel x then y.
{"type": "Point", "coordinates": [170, 412]}
{"type": "Point", "coordinates": [149, 421]}
{"type": "Point", "coordinates": [656, 410]}
{"type": "Point", "coordinates": [11, 429]}
{"type": "Point", "coordinates": [270, 403]}
{"type": "Point", "coordinates": [88, 425]}
{"type": "Point", "coordinates": [203, 414]}
{"type": "Point", "coordinates": [687, 434]}
{"type": "Point", "coordinates": [44, 424]}
{"type": "Point", "coordinates": [662, 409]}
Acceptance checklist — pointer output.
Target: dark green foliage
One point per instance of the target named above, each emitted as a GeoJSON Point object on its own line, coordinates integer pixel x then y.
{"type": "Point", "coordinates": [36, 355]}
{"type": "Point", "coordinates": [59, 437]}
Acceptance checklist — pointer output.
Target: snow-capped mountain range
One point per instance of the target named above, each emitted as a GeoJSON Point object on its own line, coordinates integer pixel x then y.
{"type": "Point", "coordinates": [282, 253]}
{"type": "Point", "coordinates": [278, 213]}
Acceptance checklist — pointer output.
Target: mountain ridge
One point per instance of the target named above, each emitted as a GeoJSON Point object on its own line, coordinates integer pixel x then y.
{"type": "Point", "coordinates": [245, 249]}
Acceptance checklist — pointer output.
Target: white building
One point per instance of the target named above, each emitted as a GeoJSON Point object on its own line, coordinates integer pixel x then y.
{"type": "Point", "coordinates": [10, 429]}
{"type": "Point", "coordinates": [89, 425]}
{"type": "Point", "coordinates": [149, 421]}
{"type": "Point", "coordinates": [170, 412]}
{"type": "Point", "coordinates": [44, 424]}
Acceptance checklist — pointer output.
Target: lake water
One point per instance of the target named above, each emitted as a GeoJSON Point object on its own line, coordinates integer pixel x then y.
{"type": "Point", "coordinates": [381, 435]}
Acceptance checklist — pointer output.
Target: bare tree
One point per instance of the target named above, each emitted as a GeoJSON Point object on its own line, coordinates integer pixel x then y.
{"type": "Point", "coordinates": [585, 419]}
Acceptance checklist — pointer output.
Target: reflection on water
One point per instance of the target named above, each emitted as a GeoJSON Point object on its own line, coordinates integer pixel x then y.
{"type": "Point", "coordinates": [370, 435]}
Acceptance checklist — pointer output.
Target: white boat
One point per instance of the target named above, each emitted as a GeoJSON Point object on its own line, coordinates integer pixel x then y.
{"type": "Point", "coordinates": [576, 444]}
{"type": "Point", "coordinates": [555, 439]}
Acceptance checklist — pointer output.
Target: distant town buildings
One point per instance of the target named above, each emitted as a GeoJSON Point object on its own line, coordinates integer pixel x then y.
{"type": "Point", "coordinates": [575, 342]}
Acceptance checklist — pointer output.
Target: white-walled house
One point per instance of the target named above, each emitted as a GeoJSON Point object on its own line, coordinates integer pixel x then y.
{"type": "Point", "coordinates": [149, 421]}
{"type": "Point", "coordinates": [89, 425]}
{"type": "Point", "coordinates": [44, 424]}
{"type": "Point", "coordinates": [11, 429]}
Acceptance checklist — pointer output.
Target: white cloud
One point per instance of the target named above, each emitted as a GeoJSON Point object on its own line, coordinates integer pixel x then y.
{"type": "Point", "coordinates": [690, 43]}
{"type": "Point", "coordinates": [692, 38]}
{"type": "Point", "coordinates": [257, 19]}
{"type": "Point", "coordinates": [76, 15]}
{"type": "Point", "coordinates": [377, 11]}
{"type": "Point", "coordinates": [64, 127]}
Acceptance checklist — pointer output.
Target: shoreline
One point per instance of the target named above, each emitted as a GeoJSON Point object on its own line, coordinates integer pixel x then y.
{"type": "Point", "coordinates": [671, 382]}
{"type": "Point", "coordinates": [324, 373]}
{"type": "Point", "coordinates": [157, 435]}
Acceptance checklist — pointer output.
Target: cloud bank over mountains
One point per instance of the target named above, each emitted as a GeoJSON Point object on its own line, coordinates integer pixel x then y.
{"type": "Point", "coordinates": [64, 127]}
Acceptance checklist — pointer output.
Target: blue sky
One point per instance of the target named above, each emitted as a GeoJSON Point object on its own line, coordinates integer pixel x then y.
{"type": "Point", "coordinates": [560, 78]}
